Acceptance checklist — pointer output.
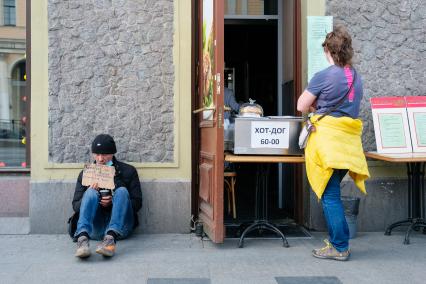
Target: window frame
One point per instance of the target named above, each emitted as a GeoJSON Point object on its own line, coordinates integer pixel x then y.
{"type": "Point", "coordinates": [19, 170]}
{"type": "Point", "coordinates": [17, 67]}
{"type": "Point", "coordinates": [8, 11]}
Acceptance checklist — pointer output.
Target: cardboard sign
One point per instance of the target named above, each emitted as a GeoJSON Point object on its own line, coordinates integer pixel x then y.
{"type": "Point", "coordinates": [100, 174]}
{"type": "Point", "coordinates": [270, 134]}
{"type": "Point", "coordinates": [416, 110]}
{"type": "Point", "coordinates": [391, 125]}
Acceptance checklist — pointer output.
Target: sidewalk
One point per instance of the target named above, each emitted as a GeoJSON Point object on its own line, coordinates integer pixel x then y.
{"type": "Point", "coordinates": [144, 258]}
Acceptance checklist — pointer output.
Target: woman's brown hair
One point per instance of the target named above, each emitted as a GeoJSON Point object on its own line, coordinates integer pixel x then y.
{"type": "Point", "coordinates": [339, 44]}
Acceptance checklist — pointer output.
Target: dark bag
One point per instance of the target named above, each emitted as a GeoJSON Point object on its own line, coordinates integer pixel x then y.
{"type": "Point", "coordinates": [72, 225]}
{"type": "Point", "coordinates": [309, 125]}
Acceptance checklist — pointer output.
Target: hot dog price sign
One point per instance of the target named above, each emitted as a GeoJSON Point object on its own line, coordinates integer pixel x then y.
{"type": "Point", "coordinates": [270, 134]}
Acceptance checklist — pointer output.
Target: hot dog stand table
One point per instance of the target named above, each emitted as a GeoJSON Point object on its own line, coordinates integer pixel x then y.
{"type": "Point", "coordinates": [415, 163]}
{"type": "Point", "coordinates": [261, 208]}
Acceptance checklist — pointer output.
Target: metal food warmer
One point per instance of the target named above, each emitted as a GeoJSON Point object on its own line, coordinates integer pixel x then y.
{"type": "Point", "coordinates": [272, 135]}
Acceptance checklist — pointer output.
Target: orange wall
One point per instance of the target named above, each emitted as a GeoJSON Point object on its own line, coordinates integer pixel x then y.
{"type": "Point", "coordinates": [21, 7]}
{"type": "Point", "coordinates": [12, 32]}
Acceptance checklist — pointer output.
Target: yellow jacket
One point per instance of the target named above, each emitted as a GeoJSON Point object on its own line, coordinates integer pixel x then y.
{"type": "Point", "coordinates": [336, 144]}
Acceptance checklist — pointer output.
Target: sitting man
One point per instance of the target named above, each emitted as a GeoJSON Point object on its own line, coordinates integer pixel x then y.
{"type": "Point", "coordinates": [111, 217]}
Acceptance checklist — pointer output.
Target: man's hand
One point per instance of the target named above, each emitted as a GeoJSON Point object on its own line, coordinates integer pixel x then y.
{"type": "Point", "coordinates": [106, 201]}
{"type": "Point", "coordinates": [95, 186]}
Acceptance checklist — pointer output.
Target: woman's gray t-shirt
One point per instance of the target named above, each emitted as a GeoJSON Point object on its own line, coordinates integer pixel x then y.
{"type": "Point", "coordinates": [330, 85]}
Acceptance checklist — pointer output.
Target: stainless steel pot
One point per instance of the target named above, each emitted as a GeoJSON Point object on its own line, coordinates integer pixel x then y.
{"type": "Point", "coordinates": [251, 109]}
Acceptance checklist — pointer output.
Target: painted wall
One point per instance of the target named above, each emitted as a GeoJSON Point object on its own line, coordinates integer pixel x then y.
{"type": "Point", "coordinates": [21, 6]}
{"type": "Point", "coordinates": [12, 33]}
{"type": "Point", "coordinates": [13, 58]}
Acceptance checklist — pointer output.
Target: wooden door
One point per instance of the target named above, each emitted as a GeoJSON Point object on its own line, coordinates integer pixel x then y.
{"type": "Point", "coordinates": [210, 116]}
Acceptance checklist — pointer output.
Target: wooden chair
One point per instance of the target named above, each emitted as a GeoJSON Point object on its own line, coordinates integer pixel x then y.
{"type": "Point", "coordinates": [230, 178]}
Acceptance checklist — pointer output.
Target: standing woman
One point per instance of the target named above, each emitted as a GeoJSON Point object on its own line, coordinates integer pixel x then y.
{"type": "Point", "coordinates": [335, 146]}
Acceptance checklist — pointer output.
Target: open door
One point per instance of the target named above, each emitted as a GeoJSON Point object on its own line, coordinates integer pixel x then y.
{"type": "Point", "coordinates": [210, 116]}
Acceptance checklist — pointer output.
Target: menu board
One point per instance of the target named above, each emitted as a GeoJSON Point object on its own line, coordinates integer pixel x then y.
{"type": "Point", "coordinates": [391, 126]}
{"type": "Point", "coordinates": [416, 110]}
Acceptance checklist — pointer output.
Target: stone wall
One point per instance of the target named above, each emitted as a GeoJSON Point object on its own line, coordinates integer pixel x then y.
{"type": "Point", "coordinates": [111, 71]}
{"type": "Point", "coordinates": [166, 206]}
{"type": "Point", "coordinates": [385, 203]}
{"type": "Point", "coordinates": [390, 49]}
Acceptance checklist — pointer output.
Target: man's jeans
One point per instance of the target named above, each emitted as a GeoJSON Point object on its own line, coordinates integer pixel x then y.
{"type": "Point", "coordinates": [96, 221]}
{"type": "Point", "coordinates": [334, 214]}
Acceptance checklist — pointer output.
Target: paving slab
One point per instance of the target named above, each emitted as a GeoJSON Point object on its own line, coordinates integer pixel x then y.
{"type": "Point", "coordinates": [175, 257]}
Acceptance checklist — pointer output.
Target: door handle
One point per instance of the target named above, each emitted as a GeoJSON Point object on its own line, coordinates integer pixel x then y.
{"type": "Point", "coordinates": [220, 118]}
{"type": "Point", "coordinates": [204, 108]}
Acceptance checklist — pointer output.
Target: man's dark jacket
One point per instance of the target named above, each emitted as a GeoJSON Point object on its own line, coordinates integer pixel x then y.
{"type": "Point", "coordinates": [125, 176]}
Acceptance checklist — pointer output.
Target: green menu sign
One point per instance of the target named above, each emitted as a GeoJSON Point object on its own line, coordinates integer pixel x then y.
{"type": "Point", "coordinates": [392, 130]}
{"type": "Point", "coordinates": [420, 123]}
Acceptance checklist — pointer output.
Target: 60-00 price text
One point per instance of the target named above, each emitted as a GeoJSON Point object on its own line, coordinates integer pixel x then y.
{"type": "Point", "coordinates": [269, 141]}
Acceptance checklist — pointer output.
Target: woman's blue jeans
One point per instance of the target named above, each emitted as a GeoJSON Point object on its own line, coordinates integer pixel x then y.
{"type": "Point", "coordinates": [96, 221]}
{"type": "Point", "coordinates": [334, 213]}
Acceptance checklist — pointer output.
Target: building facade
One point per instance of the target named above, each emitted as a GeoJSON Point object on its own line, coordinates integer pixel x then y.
{"type": "Point", "coordinates": [126, 68]}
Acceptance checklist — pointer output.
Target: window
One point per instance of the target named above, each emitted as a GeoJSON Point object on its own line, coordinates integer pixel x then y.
{"type": "Point", "coordinates": [14, 93]}
{"type": "Point", "coordinates": [13, 120]}
{"type": "Point", "coordinates": [9, 7]}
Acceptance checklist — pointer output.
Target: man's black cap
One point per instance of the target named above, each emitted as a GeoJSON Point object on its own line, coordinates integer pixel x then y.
{"type": "Point", "coordinates": [103, 144]}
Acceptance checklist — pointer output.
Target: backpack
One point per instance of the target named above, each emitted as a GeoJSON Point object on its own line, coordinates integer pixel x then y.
{"type": "Point", "coordinates": [72, 225]}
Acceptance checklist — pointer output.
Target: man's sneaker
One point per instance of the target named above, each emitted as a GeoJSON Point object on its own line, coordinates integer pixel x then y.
{"type": "Point", "coordinates": [83, 249]}
{"type": "Point", "coordinates": [329, 252]}
{"type": "Point", "coordinates": [107, 247]}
